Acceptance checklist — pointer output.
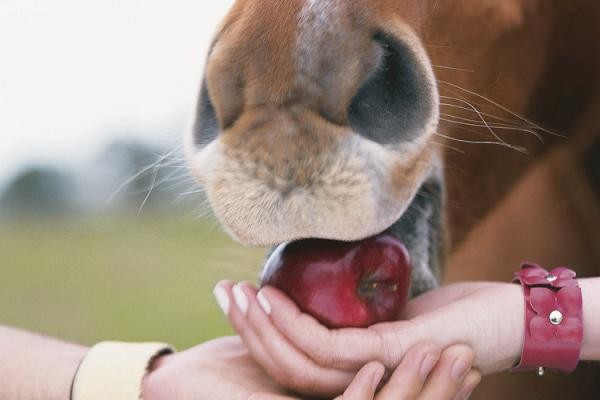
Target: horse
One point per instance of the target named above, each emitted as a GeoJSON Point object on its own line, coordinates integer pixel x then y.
{"type": "Point", "coordinates": [467, 128]}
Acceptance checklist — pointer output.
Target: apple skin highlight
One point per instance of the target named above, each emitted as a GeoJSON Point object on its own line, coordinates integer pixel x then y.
{"type": "Point", "coordinates": [343, 284]}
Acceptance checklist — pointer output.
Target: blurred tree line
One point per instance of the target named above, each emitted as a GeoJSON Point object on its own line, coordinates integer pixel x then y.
{"type": "Point", "coordinates": [127, 177]}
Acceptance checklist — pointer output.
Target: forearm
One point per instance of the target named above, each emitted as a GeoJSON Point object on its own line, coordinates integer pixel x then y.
{"type": "Point", "coordinates": [34, 367]}
{"type": "Point", "coordinates": [590, 289]}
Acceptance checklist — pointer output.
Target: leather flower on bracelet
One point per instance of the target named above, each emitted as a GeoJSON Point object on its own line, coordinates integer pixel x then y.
{"type": "Point", "coordinates": [533, 275]}
{"type": "Point", "coordinates": [557, 314]}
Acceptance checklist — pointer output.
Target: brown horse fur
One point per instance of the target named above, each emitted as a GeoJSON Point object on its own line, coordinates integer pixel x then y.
{"type": "Point", "coordinates": [499, 87]}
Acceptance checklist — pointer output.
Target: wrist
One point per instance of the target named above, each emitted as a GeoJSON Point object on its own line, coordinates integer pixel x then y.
{"type": "Point", "coordinates": [516, 331]}
{"type": "Point", "coordinates": [507, 313]}
{"type": "Point", "coordinates": [64, 371]}
{"type": "Point", "coordinates": [497, 328]}
{"type": "Point", "coordinates": [590, 291]}
{"type": "Point", "coordinates": [152, 388]}
{"type": "Point", "coordinates": [490, 320]}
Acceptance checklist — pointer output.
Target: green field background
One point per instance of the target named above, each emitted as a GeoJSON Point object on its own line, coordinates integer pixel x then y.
{"type": "Point", "coordinates": [134, 279]}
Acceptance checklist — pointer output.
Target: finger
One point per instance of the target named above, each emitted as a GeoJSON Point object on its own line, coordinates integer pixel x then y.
{"type": "Point", "coordinates": [328, 348]}
{"type": "Point", "coordinates": [224, 294]}
{"type": "Point", "coordinates": [286, 364]}
{"type": "Point", "coordinates": [297, 370]}
{"type": "Point", "coordinates": [365, 383]}
{"type": "Point", "coordinates": [408, 379]}
{"type": "Point", "coordinates": [448, 377]}
{"type": "Point", "coordinates": [471, 382]}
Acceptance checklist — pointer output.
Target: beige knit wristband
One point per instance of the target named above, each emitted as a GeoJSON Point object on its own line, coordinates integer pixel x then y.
{"type": "Point", "coordinates": [114, 370]}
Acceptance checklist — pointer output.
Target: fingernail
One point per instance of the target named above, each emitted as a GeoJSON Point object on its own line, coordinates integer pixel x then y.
{"type": "Point", "coordinates": [222, 299]}
{"type": "Point", "coordinates": [240, 299]}
{"type": "Point", "coordinates": [377, 376]}
{"type": "Point", "coordinates": [468, 395]}
{"type": "Point", "coordinates": [460, 370]}
{"type": "Point", "coordinates": [427, 365]}
{"type": "Point", "coordinates": [264, 303]}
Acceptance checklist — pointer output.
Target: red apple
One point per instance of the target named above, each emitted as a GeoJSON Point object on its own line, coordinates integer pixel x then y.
{"type": "Point", "coordinates": [343, 284]}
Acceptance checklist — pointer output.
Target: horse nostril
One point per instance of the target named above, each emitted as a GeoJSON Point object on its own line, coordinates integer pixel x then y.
{"type": "Point", "coordinates": [397, 101]}
{"type": "Point", "coordinates": [206, 125]}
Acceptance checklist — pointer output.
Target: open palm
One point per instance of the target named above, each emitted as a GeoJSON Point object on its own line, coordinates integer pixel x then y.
{"type": "Point", "coordinates": [218, 369]}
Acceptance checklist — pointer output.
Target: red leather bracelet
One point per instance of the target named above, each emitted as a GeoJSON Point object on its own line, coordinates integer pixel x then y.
{"type": "Point", "coordinates": [553, 319]}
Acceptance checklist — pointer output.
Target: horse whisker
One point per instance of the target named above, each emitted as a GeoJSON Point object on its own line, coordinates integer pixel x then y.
{"type": "Point", "coordinates": [152, 185]}
{"type": "Point", "coordinates": [453, 68]}
{"type": "Point", "coordinates": [136, 176]}
{"type": "Point", "coordinates": [503, 119]}
{"type": "Point", "coordinates": [476, 110]}
{"type": "Point", "coordinates": [474, 123]}
{"type": "Point", "coordinates": [501, 107]}
{"type": "Point", "coordinates": [520, 149]}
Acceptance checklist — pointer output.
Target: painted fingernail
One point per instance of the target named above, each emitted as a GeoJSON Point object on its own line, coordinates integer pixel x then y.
{"type": "Point", "coordinates": [427, 365]}
{"type": "Point", "coordinates": [460, 370]}
{"type": "Point", "coordinates": [377, 377]}
{"type": "Point", "coordinates": [240, 299]}
{"type": "Point", "coordinates": [264, 303]}
{"type": "Point", "coordinates": [222, 299]}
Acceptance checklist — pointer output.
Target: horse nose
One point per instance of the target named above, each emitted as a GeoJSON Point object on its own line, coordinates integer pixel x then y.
{"type": "Point", "coordinates": [387, 94]}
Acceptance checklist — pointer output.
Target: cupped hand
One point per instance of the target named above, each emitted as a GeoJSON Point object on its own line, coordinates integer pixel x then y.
{"type": "Point", "coordinates": [300, 353]}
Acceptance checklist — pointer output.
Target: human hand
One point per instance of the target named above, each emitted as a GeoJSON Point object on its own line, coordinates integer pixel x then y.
{"type": "Point", "coordinates": [219, 369]}
{"type": "Point", "coordinates": [422, 374]}
{"type": "Point", "coordinates": [301, 354]}
{"type": "Point", "coordinates": [223, 368]}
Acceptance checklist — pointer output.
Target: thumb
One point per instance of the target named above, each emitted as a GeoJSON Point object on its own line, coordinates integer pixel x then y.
{"type": "Point", "coordinates": [365, 383]}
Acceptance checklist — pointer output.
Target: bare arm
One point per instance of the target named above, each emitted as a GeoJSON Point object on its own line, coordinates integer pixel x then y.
{"type": "Point", "coordinates": [590, 289]}
{"type": "Point", "coordinates": [33, 367]}
{"type": "Point", "coordinates": [465, 316]}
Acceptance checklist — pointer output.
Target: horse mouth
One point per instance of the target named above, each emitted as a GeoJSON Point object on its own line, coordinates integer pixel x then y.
{"type": "Point", "coordinates": [420, 229]}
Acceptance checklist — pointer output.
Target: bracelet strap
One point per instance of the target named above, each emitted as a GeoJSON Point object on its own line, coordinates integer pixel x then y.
{"type": "Point", "coordinates": [553, 319]}
{"type": "Point", "coordinates": [115, 371]}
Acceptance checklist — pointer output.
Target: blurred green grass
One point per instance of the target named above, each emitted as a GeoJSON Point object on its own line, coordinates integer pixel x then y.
{"type": "Point", "coordinates": [134, 279]}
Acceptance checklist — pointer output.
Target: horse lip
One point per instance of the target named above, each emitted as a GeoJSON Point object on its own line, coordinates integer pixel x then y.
{"type": "Point", "coordinates": [389, 230]}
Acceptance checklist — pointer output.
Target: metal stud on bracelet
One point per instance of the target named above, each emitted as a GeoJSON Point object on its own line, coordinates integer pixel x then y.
{"type": "Point", "coordinates": [553, 319]}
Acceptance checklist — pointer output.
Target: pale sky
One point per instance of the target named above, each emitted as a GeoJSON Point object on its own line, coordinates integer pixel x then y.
{"type": "Point", "coordinates": [75, 72]}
